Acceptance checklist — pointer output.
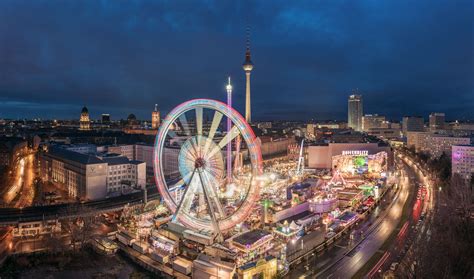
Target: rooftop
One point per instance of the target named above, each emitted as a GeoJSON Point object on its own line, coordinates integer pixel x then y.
{"type": "Point", "coordinates": [74, 156]}
{"type": "Point", "coordinates": [250, 237]}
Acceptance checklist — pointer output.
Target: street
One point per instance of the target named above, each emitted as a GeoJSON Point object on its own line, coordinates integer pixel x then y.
{"type": "Point", "coordinates": [21, 191]}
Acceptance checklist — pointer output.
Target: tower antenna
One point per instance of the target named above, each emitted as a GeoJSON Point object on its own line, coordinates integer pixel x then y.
{"type": "Point", "coordinates": [247, 66]}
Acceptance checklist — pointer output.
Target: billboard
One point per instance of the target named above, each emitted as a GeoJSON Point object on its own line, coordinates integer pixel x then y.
{"type": "Point", "coordinates": [360, 162]}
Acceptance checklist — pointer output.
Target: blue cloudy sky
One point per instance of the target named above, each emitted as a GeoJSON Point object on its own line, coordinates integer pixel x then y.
{"type": "Point", "coordinates": [121, 57]}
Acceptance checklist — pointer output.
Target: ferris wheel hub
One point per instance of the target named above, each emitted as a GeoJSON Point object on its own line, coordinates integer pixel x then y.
{"type": "Point", "coordinates": [200, 163]}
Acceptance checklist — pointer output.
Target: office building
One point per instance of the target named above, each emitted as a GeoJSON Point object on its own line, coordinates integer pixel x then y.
{"type": "Point", "coordinates": [355, 112]}
{"type": "Point", "coordinates": [105, 119]}
{"type": "Point", "coordinates": [385, 133]}
{"type": "Point", "coordinates": [417, 140]}
{"type": "Point", "coordinates": [91, 177]}
{"type": "Point", "coordinates": [83, 176]}
{"type": "Point", "coordinates": [124, 175]}
{"type": "Point", "coordinates": [370, 121]}
{"type": "Point", "coordinates": [434, 144]}
{"type": "Point", "coordinates": [412, 124]}
{"type": "Point", "coordinates": [463, 160]}
{"type": "Point", "coordinates": [439, 144]}
{"type": "Point", "coordinates": [437, 121]}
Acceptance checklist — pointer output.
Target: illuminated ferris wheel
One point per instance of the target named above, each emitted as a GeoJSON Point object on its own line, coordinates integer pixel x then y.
{"type": "Point", "coordinates": [207, 194]}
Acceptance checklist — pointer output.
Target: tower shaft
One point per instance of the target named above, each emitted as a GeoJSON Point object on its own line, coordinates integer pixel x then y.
{"type": "Point", "coordinates": [248, 111]}
{"type": "Point", "coordinates": [229, 128]}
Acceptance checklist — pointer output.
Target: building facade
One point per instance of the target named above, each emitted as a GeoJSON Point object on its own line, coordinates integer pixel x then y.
{"type": "Point", "coordinates": [124, 175]}
{"type": "Point", "coordinates": [434, 144]}
{"type": "Point", "coordinates": [462, 160]}
{"type": "Point", "coordinates": [105, 118]}
{"type": "Point", "coordinates": [417, 140]}
{"type": "Point", "coordinates": [412, 124]}
{"type": "Point", "coordinates": [320, 156]}
{"type": "Point", "coordinates": [371, 121]}
{"type": "Point", "coordinates": [437, 121]}
{"type": "Point", "coordinates": [89, 177]}
{"type": "Point", "coordinates": [355, 112]}
{"type": "Point", "coordinates": [439, 144]}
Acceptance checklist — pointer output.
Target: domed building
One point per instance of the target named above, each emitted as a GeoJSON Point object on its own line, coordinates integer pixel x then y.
{"type": "Point", "coordinates": [132, 121]}
{"type": "Point", "coordinates": [84, 121]}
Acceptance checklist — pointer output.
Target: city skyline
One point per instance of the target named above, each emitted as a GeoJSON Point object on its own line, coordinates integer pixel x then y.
{"type": "Point", "coordinates": [55, 69]}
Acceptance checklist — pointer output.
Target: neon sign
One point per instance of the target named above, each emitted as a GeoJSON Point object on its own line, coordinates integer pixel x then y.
{"type": "Point", "coordinates": [355, 152]}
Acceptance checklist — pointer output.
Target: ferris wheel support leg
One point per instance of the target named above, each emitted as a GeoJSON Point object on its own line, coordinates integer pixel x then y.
{"type": "Point", "coordinates": [184, 198]}
{"type": "Point", "coordinates": [215, 224]}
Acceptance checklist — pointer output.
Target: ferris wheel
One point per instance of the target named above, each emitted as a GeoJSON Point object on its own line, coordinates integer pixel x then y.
{"type": "Point", "coordinates": [203, 196]}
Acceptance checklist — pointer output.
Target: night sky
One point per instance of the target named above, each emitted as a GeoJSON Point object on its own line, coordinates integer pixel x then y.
{"type": "Point", "coordinates": [406, 57]}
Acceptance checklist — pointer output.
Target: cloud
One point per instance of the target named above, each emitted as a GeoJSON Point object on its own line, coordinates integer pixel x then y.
{"type": "Point", "coordinates": [124, 56]}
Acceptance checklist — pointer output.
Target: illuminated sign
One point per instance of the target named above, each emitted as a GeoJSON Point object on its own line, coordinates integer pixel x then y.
{"type": "Point", "coordinates": [355, 152]}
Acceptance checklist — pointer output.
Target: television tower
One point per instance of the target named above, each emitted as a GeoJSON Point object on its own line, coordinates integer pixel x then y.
{"type": "Point", "coordinates": [247, 66]}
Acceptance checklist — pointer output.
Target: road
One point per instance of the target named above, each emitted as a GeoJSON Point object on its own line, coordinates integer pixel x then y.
{"type": "Point", "coordinates": [21, 192]}
{"type": "Point", "coordinates": [416, 227]}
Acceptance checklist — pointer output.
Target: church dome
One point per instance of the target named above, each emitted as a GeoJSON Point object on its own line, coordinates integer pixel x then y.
{"type": "Point", "coordinates": [131, 116]}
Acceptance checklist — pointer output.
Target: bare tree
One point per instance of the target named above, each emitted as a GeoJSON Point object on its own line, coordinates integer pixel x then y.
{"type": "Point", "coordinates": [447, 250]}
{"type": "Point", "coordinates": [79, 224]}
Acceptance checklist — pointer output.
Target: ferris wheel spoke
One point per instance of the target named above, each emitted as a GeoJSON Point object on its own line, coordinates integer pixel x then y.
{"type": "Point", "coordinates": [212, 182]}
{"type": "Point", "coordinates": [199, 120]}
{"type": "Point", "coordinates": [216, 120]}
{"type": "Point", "coordinates": [195, 146]}
{"type": "Point", "coordinates": [180, 183]}
{"type": "Point", "coordinates": [184, 124]}
{"type": "Point", "coordinates": [172, 134]}
{"type": "Point", "coordinates": [209, 204]}
{"type": "Point", "coordinates": [225, 140]}
{"type": "Point", "coordinates": [185, 200]}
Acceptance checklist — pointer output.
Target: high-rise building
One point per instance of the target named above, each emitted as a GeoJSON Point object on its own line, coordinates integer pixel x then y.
{"type": "Point", "coordinates": [355, 112]}
{"type": "Point", "coordinates": [248, 67]}
{"type": "Point", "coordinates": [155, 118]}
{"type": "Point", "coordinates": [437, 121]}
{"type": "Point", "coordinates": [372, 121]}
{"type": "Point", "coordinates": [412, 124]}
{"type": "Point", "coordinates": [84, 121]}
{"type": "Point", "coordinates": [463, 160]}
{"type": "Point", "coordinates": [105, 118]}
